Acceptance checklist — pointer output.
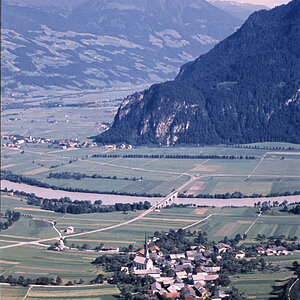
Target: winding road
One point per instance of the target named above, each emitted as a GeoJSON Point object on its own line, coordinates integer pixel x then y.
{"type": "Point", "coordinates": [145, 213]}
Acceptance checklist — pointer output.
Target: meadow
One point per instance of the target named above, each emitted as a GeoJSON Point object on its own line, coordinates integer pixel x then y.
{"type": "Point", "coordinates": [265, 174]}
{"type": "Point", "coordinates": [34, 261]}
{"type": "Point", "coordinates": [103, 292]}
{"type": "Point", "coordinates": [268, 284]}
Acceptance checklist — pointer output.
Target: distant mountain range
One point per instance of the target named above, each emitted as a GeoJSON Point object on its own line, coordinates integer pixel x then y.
{"type": "Point", "coordinates": [82, 44]}
{"type": "Point", "coordinates": [239, 10]}
{"type": "Point", "coordinates": [246, 89]}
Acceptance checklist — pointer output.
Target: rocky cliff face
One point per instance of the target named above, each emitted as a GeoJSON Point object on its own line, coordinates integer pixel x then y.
{"type": "Point", "coordinates": [244, 90]}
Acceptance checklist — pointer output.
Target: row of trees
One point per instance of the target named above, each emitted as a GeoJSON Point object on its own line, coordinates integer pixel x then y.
{"type": "Point", "coordinates": [66, 205]}
{"type": "Point", "coordinates": [238, 195]}
{"type": "Point", "coordinates": [11, 217]}
{"type": "Point", "coordinates": [79, 176]}
{"type": "Point", "coordinates": [43, 280]}
{"type": "Point", "coordinates": [30, 181]}
{"type": "Point", "coordinates": [8, 175]}
{"type": "Point", "coordinates": [174, 156]}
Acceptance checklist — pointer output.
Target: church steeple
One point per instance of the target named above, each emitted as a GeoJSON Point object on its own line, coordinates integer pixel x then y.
{"type": "Point", "coordinates": [146, 252]}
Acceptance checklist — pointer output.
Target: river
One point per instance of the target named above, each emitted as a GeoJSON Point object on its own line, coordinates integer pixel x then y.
{"type": "Point", "coordinates": [112, 199]}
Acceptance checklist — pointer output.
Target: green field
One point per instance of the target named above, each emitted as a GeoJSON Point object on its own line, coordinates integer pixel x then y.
{"type": "Point", "coordinates": [104, 292]}
{"type": "Point", "coordinates": [267, 285]}
{"type": "Point", "coordinates": [218, 176]}
{"type": "Point", "coordinates": [35, 261]}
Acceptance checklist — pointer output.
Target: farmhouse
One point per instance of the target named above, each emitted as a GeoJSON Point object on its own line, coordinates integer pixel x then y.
{"type": "Point", "coordinates": [274, 250]}
{"type": "Point", "coordinates": [69, 230]}
{"type": "Point", "coordinates": [110, 249]}
{"type": "Point", "coordinates": [240, 254]}
{"type": "Point", "coordinates": [221, 248]}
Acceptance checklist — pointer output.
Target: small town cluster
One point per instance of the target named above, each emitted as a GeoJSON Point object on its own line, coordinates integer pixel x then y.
{"type": "Point", "coordinates": [193, 270]}
{"type": "Point", "coordinates": [15, 142]}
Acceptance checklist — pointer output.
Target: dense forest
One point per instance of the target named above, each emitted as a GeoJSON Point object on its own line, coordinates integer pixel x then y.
{"type": "Point", "coordinates": [244, 90]}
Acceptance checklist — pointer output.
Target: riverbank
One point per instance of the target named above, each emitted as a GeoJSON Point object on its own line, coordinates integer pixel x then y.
{"type": "Point", "coordinates": [109, 199]}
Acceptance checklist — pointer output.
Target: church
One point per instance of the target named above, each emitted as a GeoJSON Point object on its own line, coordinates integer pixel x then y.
{"type": "Point", "coordinates": [143, 262]}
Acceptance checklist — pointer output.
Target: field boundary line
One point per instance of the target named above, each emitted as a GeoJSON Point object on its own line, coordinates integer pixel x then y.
{"type": "Point", "coordinates": [198, 222]}
{"type": "Point", "coordinates": [29, 289]}
{"type": "Point", "coordinates": [255, 168]}
{"type": "Point", "coordinates": [251, 226]}
{"type": "Point", "coordinates": [66, 286]}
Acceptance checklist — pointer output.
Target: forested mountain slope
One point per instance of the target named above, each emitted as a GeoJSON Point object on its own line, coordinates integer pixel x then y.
{"type": "Point", "coordinates": [244, 90]}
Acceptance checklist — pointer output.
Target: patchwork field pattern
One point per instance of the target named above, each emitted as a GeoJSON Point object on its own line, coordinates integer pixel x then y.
{"type": "Point", "coordinates": [272, 174]}
{"type": "Point", "coordinates": [34, 261]}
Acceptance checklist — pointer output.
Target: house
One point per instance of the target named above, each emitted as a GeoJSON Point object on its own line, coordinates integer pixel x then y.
{"type": "Point", "coordinates": [172, 289]}
{"type": "Point", "coordinates": [110, 147]}
{"type": "Point", "coordinates": [201, 248]}
{"type": "Point", "coordinates": [240, 254]}
{"type": "Point", "coordinates": [260, 250]}
{"type": "Point", "coordinates": [219, 295]}
{"type": "Point", "coordinates": [181, 274]}
{"type": "Point", "coordinates": [154, 252]}
{"type": "Point", "coordinates": [166, 280]}
{"type": "Point", "coordinates": [222, 247]}
{"type": "Point", "coordinates": [207, 253]}
{"type": "Point", "coordinates": [178, 280]}
{"type": "Point", "coordinates": [177, 256]}
{"type": "Point", "coordinates": [204, 277]}
{"type": "Point", "coordinates": [199, 285]}
{"type": "Point", "coordinates": [155, 273]}
{"type": "Point", "coordinates": [155, 287]}
{"type": "Point", "coordinates": [179, 268]}
{"type": "Point", "coordinates": [199, 278]}
{"type": "Point", "coordinates": [111, 249]}
{"type": "Point", "coordinates": [61, 245]}
{"type": "Point", "coordinates": [186, 261]}
{"type": "Point", "coordinates": [178, 285]}
{"type": "Point", "coordinates": [276, 250]}
{"type": "Point", "coordinates": [203, 292]}
{"type": "Point", "coordinates": [200, 257]}
{"type": "Point", "coordinates": [208, 270]}
{"type": "Point", "coordinates": [69, 230]}
{"type": "Point", "coordinates": [125, 270]}
{"type": "Point", "coordinates": [191, 254]}
{"type": "Point", "coordinates": [189, 292]}
{"type": "Point", "coordinates": [171, 295]}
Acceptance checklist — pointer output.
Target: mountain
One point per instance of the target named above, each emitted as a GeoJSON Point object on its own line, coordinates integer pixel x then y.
{"type": "Point", "coordinates": [239, 10]}
{"type": "Point", "coordinates": [63, 7]}
{"type": "Point", "coordinates": [104, 43]}
{"type": "Point", "coordinates": [246, 89]}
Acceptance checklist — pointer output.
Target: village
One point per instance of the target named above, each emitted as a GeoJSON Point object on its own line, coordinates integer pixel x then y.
{"type": "Point", "coordinates": [195, 273]}
{"type": "Point", "coordinates": [16, 142]}
{"type": "Point", "coordinates": [193, 269]}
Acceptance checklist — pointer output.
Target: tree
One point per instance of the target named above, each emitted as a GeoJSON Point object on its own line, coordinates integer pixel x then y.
{"type": "Point", "coordinates": [58, 280]}
{"type": "Point", "coordinates": [235, 295]}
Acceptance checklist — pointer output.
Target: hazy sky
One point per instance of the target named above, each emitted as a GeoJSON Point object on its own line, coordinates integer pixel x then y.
{"type": "Point", "coordinates": [270, 3]}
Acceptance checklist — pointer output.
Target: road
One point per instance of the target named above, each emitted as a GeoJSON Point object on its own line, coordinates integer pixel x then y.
{"type": "Point", "coordinates": [291, 287]}
{"type": "Point", "coordinates": [145, 213]}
